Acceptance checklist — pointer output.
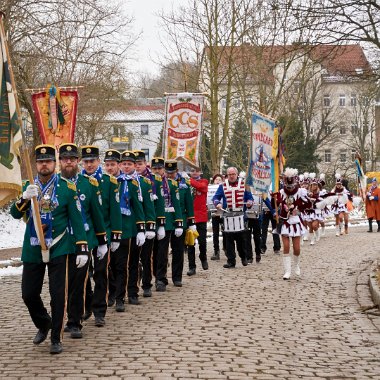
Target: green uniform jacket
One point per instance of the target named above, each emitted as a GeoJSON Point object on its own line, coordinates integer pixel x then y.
{"type": "Point", "coordinates": [109, 189]}
{"type": "Point", "coordinates": [68, 210]}
{"type": "Point", "coordinates": [89, 194]}
{"type": "Point", "coordinates": [187, 202]}
{"type": "Point", "coordinates": [173, 219]}
{"type": "Point", "coordinates": [131, 224]}
{"type": "Point", "coordinates": [148, 204]}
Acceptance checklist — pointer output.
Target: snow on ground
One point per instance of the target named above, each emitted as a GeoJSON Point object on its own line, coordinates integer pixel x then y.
{"type": "Point", "coordinates": [11, 230]}
{"type": "Point", "coordinates": [10, 271]}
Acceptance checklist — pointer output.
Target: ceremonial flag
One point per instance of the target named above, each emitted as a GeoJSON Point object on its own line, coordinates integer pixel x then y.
{"type": "Point", "coordinates": [183, 125]}
{"type": "Point", "coordinates": [361, 178]}
{"type": "Point", "coordinates": [55, 111]}
{"type": "Point", "coordinates": [264, 160]}
{"type": "Point", "coordinates": [10, 133]}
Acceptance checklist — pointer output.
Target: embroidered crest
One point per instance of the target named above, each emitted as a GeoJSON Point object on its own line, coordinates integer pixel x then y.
{"type": "Point", "coordinates": [78, 204]}
{"type": "Point", "coordinates": [43, 150]}
{"type": "Point", "coordinates": [82, 197]}
{"type": "Point", "coordinates": [117, 197]}
{"type": "Point", "coordinates": [100, 199]}
{"type": "Point", "coordinates": [177, 195]}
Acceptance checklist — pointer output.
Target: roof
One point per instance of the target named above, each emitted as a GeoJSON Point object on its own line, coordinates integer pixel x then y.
{"type": "Point", "coordinates": [135, 114]}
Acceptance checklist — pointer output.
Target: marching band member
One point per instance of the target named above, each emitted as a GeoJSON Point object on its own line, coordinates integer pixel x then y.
{"type": "Point", "coordinates": [293, 201]}
{"type": "Point", "coordinates": [325, 210]}
{"type": "Point", "coordinates": [231, 196]}
{"type": "Point", "coordinates": [339, 207]}
{"type": "Point", "coordinates": [314, 215]}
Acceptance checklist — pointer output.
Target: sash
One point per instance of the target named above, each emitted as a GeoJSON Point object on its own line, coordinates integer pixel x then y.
{"type": "Point", "coordinates": [148, 174]}
{"type": "Point", "coordinates": [97, 174]}
{"type": "Point", "coordinates": [82, 211]}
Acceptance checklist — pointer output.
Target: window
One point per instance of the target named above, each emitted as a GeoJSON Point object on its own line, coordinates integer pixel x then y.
{"type": "Point", "coordinates": [144, 129]}
{"type": "Point", "coordinates": [223, 103]}
{"type": "Point", "coordinates": [367, 156]}
{"type": "Point", "coordinates": [311, 131]}
{"type": "Point", "coordinates": [342, 129]}
{"type": "Point", "coordinates": [353, 153]}
{"type": "Point", "coordinates": [146, 151]}
{"type": "Point", "coordinates": [343, 156]}
{"type": "Point", "coordinates": [354, 129]}
{"type": "Point", "coordinates": [116, 131]}
{"type": "Point", "coordinates": [353, 100]}
{"type": "Point", "coordinates": [326, 101]}
{"type": "Point", "coordinates": [249, 103]}
{"type": "Point", "coordinates": [327, 127]}
{"type": "Point", "coordinates": [237, 103]}
{"type": "Point", "coordinates": [328, 155]}
{"type": "Point", "coordinates": [342, 100]}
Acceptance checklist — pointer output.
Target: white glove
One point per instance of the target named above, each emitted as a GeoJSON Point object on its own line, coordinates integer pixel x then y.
{"type": "Point", "coordinates": [178, 232]}
{"type": "Point", "coordinates": [185, 175]}
{"type": "Point", "coordinates": [371, 198]}
{"type": "Point", "coordinates": [249, 204]}
{"type": "Point", "coordinates": [101, 251]}
{"type": "Point", "coordinates": [81, 260]}
{"type": "Point", "coordinates": [114, 245]}
{"type": "Point", "coordinates": [160, 233]}
{"type": "Point", "coordinates": [150, 234]}
{"type": "Point", "coordinates": [193, 227]}
{"type": "Point", "coordinates": [140, 239]}
{"type": "Point", "coordinates": [30, 192]}
{"type": "Point", "coordinates": [219, 206]}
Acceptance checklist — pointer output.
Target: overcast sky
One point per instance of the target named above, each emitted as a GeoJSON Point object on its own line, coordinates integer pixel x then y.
{"type": "Point", "coordinates": [146, 21]}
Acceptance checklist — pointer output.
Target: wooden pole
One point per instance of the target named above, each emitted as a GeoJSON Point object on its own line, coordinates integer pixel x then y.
{"type": "Point", "coordinates": [23, 151]}
{"type": "Point", "coordinates": [61, 88]}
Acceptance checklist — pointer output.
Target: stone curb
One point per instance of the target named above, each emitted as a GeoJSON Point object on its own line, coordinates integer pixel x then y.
{"type": "Point", "coordinates": [374, 288]}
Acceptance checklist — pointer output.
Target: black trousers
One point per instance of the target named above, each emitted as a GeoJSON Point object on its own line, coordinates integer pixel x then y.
{"type": "Point", "coordinates": [253, 229]}
{"type": "Point", "coordinates": [160, 257]}
{"type": "Point", "coordinates": [240, 239]}
{"type": "Point", "coordinates": [97, 300]}
{"type": "Point", "coordinates": [77, 292]}
{"type": "Point", "coordinates": [202, 241]}
{"type": "Point", "coordinates": [31, 288]}
{"type": "Point", "coordinates": [146, 258]}
{"type": "Point", "coordinates": [125, 268]}
{"type": "Point", "coordinates": [216, 222]}
{"type": "Point", "coordinates": [268, 217]}
{"type": "Point", "coordinates": [178, 246]}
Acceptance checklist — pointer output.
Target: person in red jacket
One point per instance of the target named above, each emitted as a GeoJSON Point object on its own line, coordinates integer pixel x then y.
{"type": "Point", "coordinates": [199, 188]}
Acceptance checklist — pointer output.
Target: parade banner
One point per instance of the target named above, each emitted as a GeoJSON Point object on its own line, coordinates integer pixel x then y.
{"type": "Point", "coordinates": [10, 133]}
{"type": "Point", "coordinates": [55, 111]}
{"type": "Point", "coordinates": [264, 158]}
{"type": "Point", "coordinates": [183, 125]}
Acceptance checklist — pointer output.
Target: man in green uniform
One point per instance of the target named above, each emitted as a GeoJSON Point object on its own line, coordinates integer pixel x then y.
{"type": "Point", "coordinates": [58, 203]}
{"type": "Point", "coordinates": [109, 191]}
{"type": "Point", "coordinates": [187, 210]}
{"type": "Point", "coordinates": [133, 230]}
{"type": "Point", "coordinates": [93, 221]}
{"type": "Point", "coordinates": [173, 227]}
{"type": "Point", "coordinates": [159, 205]}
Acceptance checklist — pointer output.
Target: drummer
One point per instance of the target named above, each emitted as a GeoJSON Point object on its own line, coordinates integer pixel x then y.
{"type": "Point", "coordinates": [232, 198]}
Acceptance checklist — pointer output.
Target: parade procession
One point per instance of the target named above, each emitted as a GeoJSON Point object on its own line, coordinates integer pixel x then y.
{"type": "Point", "coordinates": [213, 249]}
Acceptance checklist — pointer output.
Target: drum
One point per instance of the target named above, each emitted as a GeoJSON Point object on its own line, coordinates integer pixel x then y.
{"type": "Point", "coordinates": [255, 211]}
{"type": "Point", "coordinates": [233, 221]}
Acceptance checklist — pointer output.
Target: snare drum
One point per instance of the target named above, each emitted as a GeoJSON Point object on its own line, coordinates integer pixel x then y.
{"type": "Point", "coordinates": [233, 221]}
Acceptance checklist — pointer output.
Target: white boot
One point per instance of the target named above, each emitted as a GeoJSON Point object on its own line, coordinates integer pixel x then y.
{"type": "Point", "coordinates": [337, 231]}
{"type": "Point", "coordinates": [296, 261]}
{"type": "Point", "coordinates": [317, 234]}
{"type": "Point", "coordinates": [287, 261]}
{"type": "Point", "coordinates": [312, 242]}
{"type": "Point", "coordinates": [341, 228]}
{"type": "Point", "coordinates": [323, 231]}
{"type": "Point", "coordinates": [306, 236]}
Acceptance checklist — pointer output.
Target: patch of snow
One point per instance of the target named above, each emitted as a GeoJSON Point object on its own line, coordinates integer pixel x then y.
{"type": "Point", "coordinates": [11, 230]}
{"type": "Point", "coordinates": [11, 271]}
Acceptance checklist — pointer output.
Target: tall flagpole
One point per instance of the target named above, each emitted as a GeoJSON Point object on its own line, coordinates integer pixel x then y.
{"type": "Point", "coordinates": [23, 152]}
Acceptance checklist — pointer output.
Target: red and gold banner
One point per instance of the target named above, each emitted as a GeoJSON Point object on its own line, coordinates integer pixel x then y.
{"type": "Point", "coordinates": [183, 125]}
{"type": "Point", "coordinates": [55, 111]}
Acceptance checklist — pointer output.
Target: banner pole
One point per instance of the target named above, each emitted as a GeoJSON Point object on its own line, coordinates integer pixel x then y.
{"type": "Point", "coordinates": [23, 153]}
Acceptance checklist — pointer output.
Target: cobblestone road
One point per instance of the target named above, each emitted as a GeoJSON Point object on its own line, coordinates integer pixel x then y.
{"type": "Point", "coordinates": [242, 323]}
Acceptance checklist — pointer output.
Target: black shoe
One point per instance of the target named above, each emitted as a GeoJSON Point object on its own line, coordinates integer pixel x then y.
{"type": "Point", "coordinates": [244, 262]}
{"type": "Point", "coordinates": [133, 300]}
{"type": "Point", "coordinates": [191, 272]}
{"type": "Point", "coordinates": [160, 286]}
{"type": "Point", "coordinates": [67, 329]}
{"type": "Point", "coordinates": [99, 321]}
{"type": "Point", "coordinates": [87, 315]}
{"type": "Point", "coordinates": [41, 336]}
{"type": "Point", "coordinates": [147, 293]}
{"type": "Point", "coordinates": [258, 258]}
{"type": "Point", "coordinates": [249, 261]}
{"type": "Point", "coordinates": [229, 265]}
{"type": "Point", "coordinates": [262, 251]}
{"type": "Point", "coordinates": [56, 348]}
{"type": "Point", "coordinates": [371, 231]}
{"type": "Point", "coordinates": [204, 265]}
{"type": "Point", "coordinates": [178, 284]}
{"type": "Point", "coordinates": [76, 333]}
{"type": "Point", "coordinates": [215, 256]}
{"type": "Point", "coordinates": [111, 301]}
{"type": "Point", "coordinates": [120, 307]}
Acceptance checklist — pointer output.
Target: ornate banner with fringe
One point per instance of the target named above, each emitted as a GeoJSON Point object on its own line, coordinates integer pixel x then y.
{"type": "Point", "coordinates": [183, 125]}
{"type": "Point", "coordinates": [10, 134]}
{"type": "Point", "coordinates": [264, 158]}
{"type": "Point", "coordinates": [55, 111]}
